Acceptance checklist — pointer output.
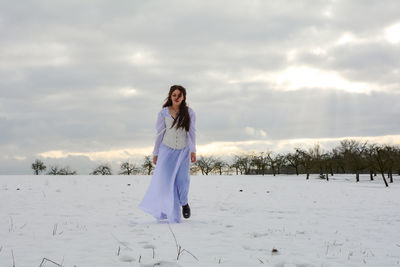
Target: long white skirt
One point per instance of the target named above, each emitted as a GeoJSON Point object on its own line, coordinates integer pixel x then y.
{"type": "Point", "coordinates": [169, 186]}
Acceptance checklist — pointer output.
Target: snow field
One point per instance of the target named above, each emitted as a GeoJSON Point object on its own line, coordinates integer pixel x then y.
{"type": "Point", "coordinates": [236, 221]}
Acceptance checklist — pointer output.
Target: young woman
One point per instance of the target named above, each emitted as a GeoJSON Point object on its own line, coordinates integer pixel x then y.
{"type": "Point", "coordinates": [174, 148]}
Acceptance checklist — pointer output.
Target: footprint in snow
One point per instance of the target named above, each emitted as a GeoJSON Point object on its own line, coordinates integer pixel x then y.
{"type": "Point", "coordinates": [126, 258]}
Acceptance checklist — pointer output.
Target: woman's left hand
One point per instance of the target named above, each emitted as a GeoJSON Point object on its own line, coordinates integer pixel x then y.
{"type": "Point", "coordinates": [193, 157]}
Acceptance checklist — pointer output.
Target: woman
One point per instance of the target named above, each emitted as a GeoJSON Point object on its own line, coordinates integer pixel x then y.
{"type": "Point", "coordinates": [174, 148]}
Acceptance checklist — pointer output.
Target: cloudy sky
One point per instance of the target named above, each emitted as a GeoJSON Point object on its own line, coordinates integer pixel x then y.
{"type": "Point", "coordinates": [81, 82]}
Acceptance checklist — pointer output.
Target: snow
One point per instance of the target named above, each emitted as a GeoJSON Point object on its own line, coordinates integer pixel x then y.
{"type": "Point", "coordinates": [95, 221]}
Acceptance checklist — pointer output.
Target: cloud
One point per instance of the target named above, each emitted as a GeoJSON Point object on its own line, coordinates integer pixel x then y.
{"type": "Point", "coordinates": [109, 155]}
{"type": "Point", "coordinates": [392, 33]}
{"type": "Point", "coordinates": [87, 79]}
{"type": "Point", "coordinates": [253, 132]}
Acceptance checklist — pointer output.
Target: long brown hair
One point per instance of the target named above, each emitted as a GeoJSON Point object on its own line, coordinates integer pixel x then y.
{"type": "Point", "coordinates": [183, 118]}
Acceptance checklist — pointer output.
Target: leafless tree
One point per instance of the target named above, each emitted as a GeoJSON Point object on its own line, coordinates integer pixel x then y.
{"type": "Point", "coordinates": [128, 168]}
{"type": "Point", "coordinates": [55, 170]}
{"type": "Point", "coordinates": [260, 161]}
{"type": "Point", "coordinates": [397, 159]}
{"type": "Point", "coordinates": [38, 166]}
{"type": "Point", "coordinates": [194, 169]}
{"type": "Point", "coordinates": [205, 164]}
{"type": "Point", "coordinates": [280, 160]}
{"type": "Point", "coordinates": [327, 164]}
{"type": "Point", "coordinates": [148, 164]}
{"type": "Point", "coordinates": [316, 156]}
{"type": "Point", "coordinates": [294, 160]}
{"type": "Point", "coordinates": [243, 162]}
{"type": "Point", "coordinates": [274, 162]}
{"type": "Point", "coordinates": [371, 160]}
{"type": "Point", "coordinates": [338, 161]}
{"type": "Point", "coordinates": [305, 161]}
{"type": "Point", "coordinates": [381, 158]}
{"type": "Point", "coordinates": [219, 165]}
{"type": "Point", "coordinates": [235, 165]}
{"type": "Point", "coordinates": [103, 169]}
{"type": "Point", "coordinates": [354, 155]}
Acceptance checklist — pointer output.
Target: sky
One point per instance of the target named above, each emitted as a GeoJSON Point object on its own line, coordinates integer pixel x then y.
{"type": "Point", "coordinates": [81, 82]}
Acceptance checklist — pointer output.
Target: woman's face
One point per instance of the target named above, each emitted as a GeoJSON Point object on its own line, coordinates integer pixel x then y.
{"type": "Point", "coordinates": [176, 97]}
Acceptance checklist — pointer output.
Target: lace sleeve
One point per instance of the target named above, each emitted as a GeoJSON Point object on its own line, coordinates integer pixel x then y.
{"type": "Point", "coordinates": [192, 131]}
{"type": "Point", "coordinates": [160, 128]}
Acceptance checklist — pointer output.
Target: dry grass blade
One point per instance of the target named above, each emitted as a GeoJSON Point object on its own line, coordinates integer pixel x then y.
{"type": "Point", "coordinates": [190, 254]}
{"type": "Point", "coordinates": [176, 242]}
{"type": "Point", "coordinates": [55, 229]}
{"type": "Point", "coordinates": [179, 249]}
{"type": "Point", "coordinates": [12, 254]}
{"type": "Point", "coordinates": [11, 225]}
{"type": "Point", "coordinates": [45, 260]}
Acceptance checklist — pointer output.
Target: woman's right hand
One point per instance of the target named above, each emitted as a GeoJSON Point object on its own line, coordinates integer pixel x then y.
{"type": "Point", "coordinates": [155, 160]}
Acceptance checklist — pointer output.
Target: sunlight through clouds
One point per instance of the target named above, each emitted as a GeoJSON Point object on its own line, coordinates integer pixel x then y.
{"type": "Point", "coordinates": [392, 33]}
{"type": "Point", "coordinates": [302, 77]}
{"type": "Point", "coordinates": [295, 78]}
{"type": "Point", "coordinates": [347, 38]}
{"type": "Point", "coordinates": [128, 92]}
{"type": "Point", "coordinates": [142, 58]}
{"type": "Point", "coordinates": [110, 155]}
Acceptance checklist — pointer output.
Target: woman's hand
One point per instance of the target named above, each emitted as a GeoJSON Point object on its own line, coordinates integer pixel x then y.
{"type": "Point", "coordinates": [193, 157]}
{"type": "Point", "coordinates": [155, 160]}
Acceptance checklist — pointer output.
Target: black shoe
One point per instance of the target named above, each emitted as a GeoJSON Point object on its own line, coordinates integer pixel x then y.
{"type": "Point", "coordinates": [186, 211]}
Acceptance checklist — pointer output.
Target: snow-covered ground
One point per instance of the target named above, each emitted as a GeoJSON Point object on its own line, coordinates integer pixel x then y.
{"type": "Point", "coordinates": [236, 221]}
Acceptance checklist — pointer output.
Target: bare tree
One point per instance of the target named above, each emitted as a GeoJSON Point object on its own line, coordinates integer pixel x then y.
{"type": "Point", "coordinates": [55, 170]}
{"type": "Point", "coordinates": [294, 160]}
{"type": "Point", "coordinates": [38, 166]}
{"type": "Point", "coordinates": [371, 160]}
{"type": "Point", "coordinates": [148, 164]}
{"type": "Point", "coordinates": [389, 154]}
{"type": "Point", "coordinates": [244, 163]}
{"type": "Point", "coordinates": [219, 165]}
{"type": "Point", "coordinates": [326, 160]}
{"type": "Point", "coordinates": [280, 161]}
{"type": "Point", "coordinates": [194, 169]}
{"type": "Point", "coordinates": [305, 161]}
{"type": "Point", "coordinates": [206, 164]}
{"type": "Point", "coordinates": [235, 165]}
{"type": "Point", "coordinates": [397, 159]}
{"type": "Point", "coordinates": [273, 162]}
{"type": "Point", "coordinates": [381, 158]}
{"type": "Point", "coordinates": [316, 156]}
{"type": "Point", "coordinates": [103, 169]}
{"type": "Point", "coordinates": [354, 155]}
{"type": "Point", "coordinates": [260, 161]}
{"type": "Point", "coordinates": [67, 171]}
{"type": "Point", "coordinates": [338, 161]}
{"type": "Point", "coordinates": [128, 168]}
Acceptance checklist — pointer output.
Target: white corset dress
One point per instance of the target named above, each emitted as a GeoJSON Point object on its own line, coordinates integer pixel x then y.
{"type": "Point", "coordinates": [173, 137]}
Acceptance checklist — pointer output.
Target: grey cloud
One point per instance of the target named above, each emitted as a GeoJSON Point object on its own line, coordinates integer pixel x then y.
{"type": "Point", "coordinates": [63, 64]}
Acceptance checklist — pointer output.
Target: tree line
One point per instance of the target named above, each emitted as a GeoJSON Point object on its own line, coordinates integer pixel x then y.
{"type": "Point", "coordinates": [350, 156]}
{"type": "Point", "coordinates": [126, 168]}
